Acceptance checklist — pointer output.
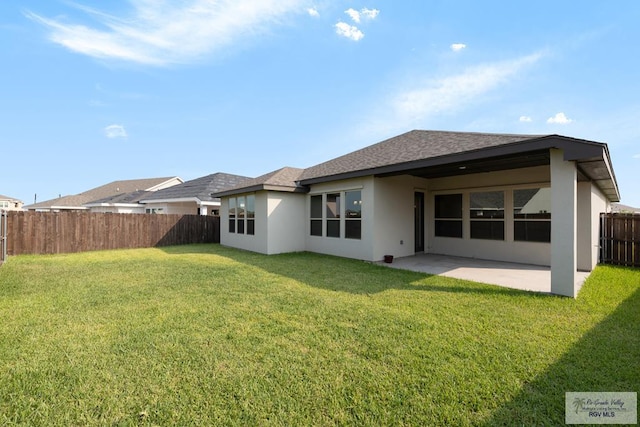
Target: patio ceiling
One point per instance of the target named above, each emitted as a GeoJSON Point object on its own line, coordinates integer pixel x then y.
{"type": "Point", "coordinates": [471, 166]}
{"type": "Point", "coordinates": [592, 161]}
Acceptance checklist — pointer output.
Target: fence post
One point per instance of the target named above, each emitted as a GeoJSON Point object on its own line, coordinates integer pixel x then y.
{"type": "Point", "coordinates": [3, 236]}
{"type": "Point", "coordinates": [601, 241]}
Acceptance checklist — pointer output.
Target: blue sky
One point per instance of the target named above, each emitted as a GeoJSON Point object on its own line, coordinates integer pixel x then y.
{"type": "Point", "coordinates": [94, 91]}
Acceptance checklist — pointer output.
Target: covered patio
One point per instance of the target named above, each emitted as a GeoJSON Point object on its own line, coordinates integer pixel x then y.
{"type": "Point", "coordinates": [507, 274]}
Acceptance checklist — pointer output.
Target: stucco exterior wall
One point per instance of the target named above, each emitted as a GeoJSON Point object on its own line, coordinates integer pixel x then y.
{"type": "Point", "coordinates": [591, 203]}
{"type": "Point", "coordinates": [279, 224]}
{"type": "Point", "coordinates": [564, 225]}
{"type": "Point", "coordinates": [393, 215]}
{"type": "Point", "coordinates": [351, 248]}
{"type": "Point", "coordinates": [11, 205]}
{"type": "Point", "coordinates": [537, 253]}
{"type": "Point", "coordinates": [256, 242]}
{"type": "Point", "coordinates": [286, 224]}
{"type": "Point", "coordinates": [599, 204]}
{"type": "Point", "coordinates": [387, 218]}
{"type": "Point", "coordinates": [182, 208]}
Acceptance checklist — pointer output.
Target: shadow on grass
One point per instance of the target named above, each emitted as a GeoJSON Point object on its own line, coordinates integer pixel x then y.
{"type": "Point", "coordinates": [606, 359]}
{"type": "Point", "coordinates": [348, 275]}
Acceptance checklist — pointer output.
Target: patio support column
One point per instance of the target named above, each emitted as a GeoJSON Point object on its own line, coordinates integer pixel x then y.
{"type": "Point", "coordinates": [563, 225]}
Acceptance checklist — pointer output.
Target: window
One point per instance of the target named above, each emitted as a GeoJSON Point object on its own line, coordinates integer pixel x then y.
{"type": "Point", "coordinates": [448, 215]}
{"type": "Point", "coordinates": [336, 215]}
{"type": "Point", "coordinates": [487, 215]}
{"type": "Point", "coordinates": [242, 214]}
{"type": "Point", "coordinates": [4, 204]}
{"type": "Point", "coordinates": [232, 215]}
{"type": "Point", "coordinates": [353, 214]}
{"type": "Point", "coordinates": [251, 214]}
{"type": "Point", "coordinates": [333, 215]}
{"type": "Point", "coordinates": [153, 210]}
{"type": "Point", "coordinates": [316, 215]}
{"type": "Point", "coordinates": [532, 215]}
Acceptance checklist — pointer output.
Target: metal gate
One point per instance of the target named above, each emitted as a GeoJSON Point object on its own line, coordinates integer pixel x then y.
{"type": "Point", "coordinates": [3, 236]}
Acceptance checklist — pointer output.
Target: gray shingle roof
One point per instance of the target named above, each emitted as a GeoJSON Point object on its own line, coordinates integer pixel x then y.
{"type": "Point", "coordinates": [3, 197]}
{"type": "Point", "coordinates": [200, 188]}
{"type": "Point", "coordinates": [113, 188]}
{"type": "Point", "coordinates": [131, 198]}
{"type": "Point", "coordinates": [284, 179]}
{"type": "Point", "coordinates": [411, 146]}
{"type": "Point", "coordinates": [432, 154]}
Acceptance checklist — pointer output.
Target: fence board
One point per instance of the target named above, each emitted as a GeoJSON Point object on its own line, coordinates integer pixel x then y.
{"type": "Point", "coordinates": [620, 239]}
{"type": "Point", "coordinates": [66, 232]}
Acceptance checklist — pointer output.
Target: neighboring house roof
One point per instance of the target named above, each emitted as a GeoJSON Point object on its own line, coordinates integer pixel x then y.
{"type": "Point", "coordinates": [121, 199]}
{"type": "Point", "coordinates": [620, 208]}
{"type": "Point", "coordinates": [78, 201]}
{"type": "Point", "coordinates": [284, 179]}
{"type": "Point", "coordinates": [432, 154]}
{"type": "Point", "coordinates": [199, 188]}
{"type": "Point", "coordinates": [64, 202]}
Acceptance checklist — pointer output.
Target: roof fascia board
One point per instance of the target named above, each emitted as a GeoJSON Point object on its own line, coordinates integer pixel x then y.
{"type": "Point", "coordinates": [607, 162]}
{"type": "Point", "coordinates": [66, 207]}
{"type": "Point", "coordinates": [177, 200]}
{"type": "Point", "coordinates": [261, 187]}
{"type": "Point", "coordinates": [114, 205]}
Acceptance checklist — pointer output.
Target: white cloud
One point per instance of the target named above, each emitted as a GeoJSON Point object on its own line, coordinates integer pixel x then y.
{"type": "Point", "coordinates": [526, 119]}
{"type": "Point", "coordinates": [457, 47]}
{"type": "Point", "coordinates": [559, 118]}
{"type": "Point", "coordinates": [637, 156]}
{"type": "Point", "coordinates": [369, 13]}
{"type": "Point", "coordinates": [312, 11]}
{"type": "Point", "coordinates": [115, 131]}
{"type": "Point", "coordinates": [356, 16]}
{"type": "Point", "coordinates": [161, 33]}
{"type": "Point", "coordinates": [454, 92]}
{"type": "Point", "coordinates": [349, 31]}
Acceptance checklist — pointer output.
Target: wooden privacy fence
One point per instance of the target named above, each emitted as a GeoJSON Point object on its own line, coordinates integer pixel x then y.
{"type": "Point", "coordinates": [65, 232]}
{"type": "Point", "coordinates": [620, 239]}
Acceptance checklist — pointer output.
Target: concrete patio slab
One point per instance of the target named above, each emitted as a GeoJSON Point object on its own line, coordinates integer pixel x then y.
{"type": "Point", "coordinates": [511, 275]}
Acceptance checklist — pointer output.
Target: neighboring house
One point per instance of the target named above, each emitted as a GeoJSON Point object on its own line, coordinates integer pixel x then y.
{"type": "Point", "coordinates": [10, 204]}
{"type": "Point", "coordinates": [191, 197]}
{"type": "Point", "coordinates": [520, 198]}
{"type": "Point", "coordinates": [78, 202]}
{"type": "Point", "coordinates": [120, 203]}
{"type": "Point", "coordinates": [620, 208]}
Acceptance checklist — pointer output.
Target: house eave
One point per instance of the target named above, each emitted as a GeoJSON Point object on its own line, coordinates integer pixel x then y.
{"type": "Point", "coordinates": [261, 187]}
{"type": "Point", "coordinates": [173, 200]}
{"type": "Point", "coordinates": [534, 152]}
{"type": "Point", "coordinates": [114, 205]}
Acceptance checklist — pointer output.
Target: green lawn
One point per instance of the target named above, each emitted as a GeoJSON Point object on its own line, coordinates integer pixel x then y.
{"type": "Point", "coordinates": [205, 335]}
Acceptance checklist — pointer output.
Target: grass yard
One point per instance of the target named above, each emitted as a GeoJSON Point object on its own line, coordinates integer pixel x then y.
{"type": "Point", "coordinates": [205, 335]}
